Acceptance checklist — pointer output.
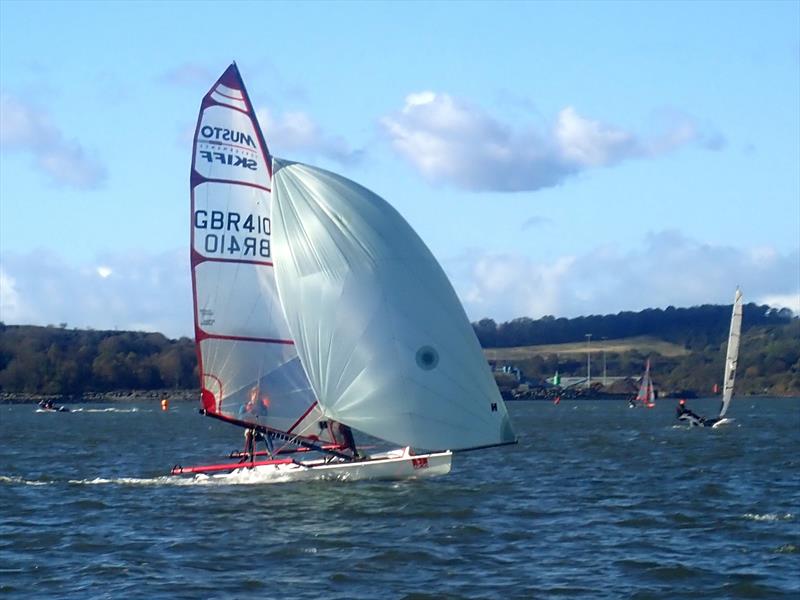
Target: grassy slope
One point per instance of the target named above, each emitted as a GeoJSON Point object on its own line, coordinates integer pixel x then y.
{"type": "Point", "coordinates": [644, 344]}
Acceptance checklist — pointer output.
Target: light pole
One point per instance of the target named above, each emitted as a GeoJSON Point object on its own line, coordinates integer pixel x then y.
{"type": "Point", "coordinates": [588, 360]}
{"type": "Point", "coordinates": [604, 362]}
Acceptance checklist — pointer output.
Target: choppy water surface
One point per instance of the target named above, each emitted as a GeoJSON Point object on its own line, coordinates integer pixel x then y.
{"type": "Point", "coordinates": [597, 501]}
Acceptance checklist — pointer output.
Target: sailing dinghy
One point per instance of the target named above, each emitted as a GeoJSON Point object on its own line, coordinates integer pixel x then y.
{"type": "Point", "coordinates": [318, 309]}
{"type": "Point", "coordinates": [731, 363]}
{"type": "Point", "coordinates": [646, 397]}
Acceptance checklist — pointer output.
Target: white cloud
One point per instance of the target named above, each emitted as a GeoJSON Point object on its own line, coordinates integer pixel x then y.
{"type": "Point", "coordinates": [151, 293]}
{"type": "Point", "coordinates": [451, 141]}
{"type": "Point", "coordinates": [9, 296]}
{"type": "Point", "coordinates": [25, 128]}
{"type": "Point", "coordinates": [668, 269]}
{"type": "Point", "coordinates": [790, 301]}
{"type": "Point", "coordinates": [295, 131]}
{"type": "Point", "coordinates": [590, 143]}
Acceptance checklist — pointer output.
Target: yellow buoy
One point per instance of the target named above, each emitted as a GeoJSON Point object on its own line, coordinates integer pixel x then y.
{"type": "Point", "coordinates": [164, 404]}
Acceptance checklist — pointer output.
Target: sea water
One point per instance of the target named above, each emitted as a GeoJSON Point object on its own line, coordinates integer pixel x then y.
{"type": "Point", "coordinates": [596, 501]}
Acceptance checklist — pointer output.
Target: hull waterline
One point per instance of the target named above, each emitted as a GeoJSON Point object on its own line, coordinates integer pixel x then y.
{"type": "Point", "coordinates": [392, 465]}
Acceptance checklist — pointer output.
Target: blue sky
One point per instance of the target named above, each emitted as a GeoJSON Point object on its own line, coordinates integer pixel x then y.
{"type": "Point", "coordinates": [557, 158]}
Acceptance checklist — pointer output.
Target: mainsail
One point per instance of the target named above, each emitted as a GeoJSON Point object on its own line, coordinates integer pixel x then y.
{"type": "Point", "coordinates": [380, 331]}
{"type": "Point", "coordinates": [249, 368]}
{"type": "Point", "coordinates": [732, 358]}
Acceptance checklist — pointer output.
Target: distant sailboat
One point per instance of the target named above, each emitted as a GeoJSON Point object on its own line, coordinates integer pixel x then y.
{"type": "Point", "coordinates": [646, 397]}
{"type": "Point", "coordinates": [731, 364]}
{"type": "Point", "coordinates": [318, 308]}
{"type": "Point", "coordinates": [556, 381]}
{"type": "Point", "coordinates": [732, 356]}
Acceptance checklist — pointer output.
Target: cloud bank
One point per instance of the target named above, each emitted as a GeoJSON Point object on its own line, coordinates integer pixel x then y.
{"type": "Point", "coordinates": [145, 293]}
{"type": "Point", "coordinates": [669, 269]}
{"type": "Point", "coordinates": [25, 128]}
{"type": "Point", "coordinates": [153, 292]}
{"type": "Point", "coordinates": [451, 141]}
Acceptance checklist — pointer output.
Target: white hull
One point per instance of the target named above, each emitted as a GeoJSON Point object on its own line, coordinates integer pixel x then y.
{"type": "Point", "coordinates": [395, 464]}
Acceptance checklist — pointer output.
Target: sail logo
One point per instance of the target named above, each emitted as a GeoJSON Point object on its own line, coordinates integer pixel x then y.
{"type": "Point", "coordinates": [223, 134]}
{"type": "Point", "coordinates": [229, 159]}
{"type": "Point", "coordinates": [220, 145]}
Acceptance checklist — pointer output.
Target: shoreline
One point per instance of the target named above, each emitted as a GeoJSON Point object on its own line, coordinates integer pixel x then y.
{"type": "Point", "coordinates": [102, 397]}
{"type": "Point", "coordinates": [194, 395]}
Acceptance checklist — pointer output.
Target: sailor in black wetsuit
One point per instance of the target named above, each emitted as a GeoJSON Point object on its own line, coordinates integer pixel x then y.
{"type": "Point", "coordinates": [343, 435]}
{"type": "Point", "coordinates": [684, 414]}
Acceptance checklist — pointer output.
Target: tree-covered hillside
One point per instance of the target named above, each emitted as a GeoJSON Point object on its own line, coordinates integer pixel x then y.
{"type": "Point", "coordinates": [51, 360]}
{"type": "Point", "coordinates": [693, 328]}
{"type": "Point", "coordinates": [57, 360]}
{"type": "Point", "coordinates": [769, 363]}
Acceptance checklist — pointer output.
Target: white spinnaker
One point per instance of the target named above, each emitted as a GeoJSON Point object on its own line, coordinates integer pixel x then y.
{"type": "Point", "coordinates": [249, 367]}
{"type": "Point", "coordinates": [732, 357]}
{"type": "Point", "coordinates": [379, 329]}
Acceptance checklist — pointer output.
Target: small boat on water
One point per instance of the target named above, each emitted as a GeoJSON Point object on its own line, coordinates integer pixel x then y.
{"type": "Point", "coordinates": [49, 406]}
{"type": "Point", "coordinates": [731, 364]}
{"type": "Point", "coordinates": [646, 396]}
{"type": "Point", "coordinates": [318, 309]}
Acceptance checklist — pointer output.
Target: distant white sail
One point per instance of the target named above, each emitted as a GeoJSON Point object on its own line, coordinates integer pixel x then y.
{"type": "Point", "coordinates": [732, 358]}
{"type": "Point", "coordinates": [248, 364]}
{"type": "Point", "coordinates": [380, 331]}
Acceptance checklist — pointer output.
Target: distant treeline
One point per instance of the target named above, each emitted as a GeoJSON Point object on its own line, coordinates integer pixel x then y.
{"type": "Point", "coordinates": [694, 327]}
{"type": "Point", "coordinates": [58, 360]}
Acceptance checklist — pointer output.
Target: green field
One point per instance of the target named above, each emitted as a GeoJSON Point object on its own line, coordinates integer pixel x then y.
{"type": "Point", "coordinates": [644, 344]}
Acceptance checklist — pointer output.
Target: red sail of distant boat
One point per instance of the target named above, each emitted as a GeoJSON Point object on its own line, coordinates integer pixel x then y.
{"type": "Point", "coordinates": [646, 396]}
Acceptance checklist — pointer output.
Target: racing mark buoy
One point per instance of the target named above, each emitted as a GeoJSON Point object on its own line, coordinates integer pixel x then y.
{"type": "Point", "coordinates": [164, 404]}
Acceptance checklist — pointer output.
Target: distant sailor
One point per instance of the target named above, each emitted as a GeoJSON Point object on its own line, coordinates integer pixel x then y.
{"type": "Point", "coordinates": [684, 414]}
